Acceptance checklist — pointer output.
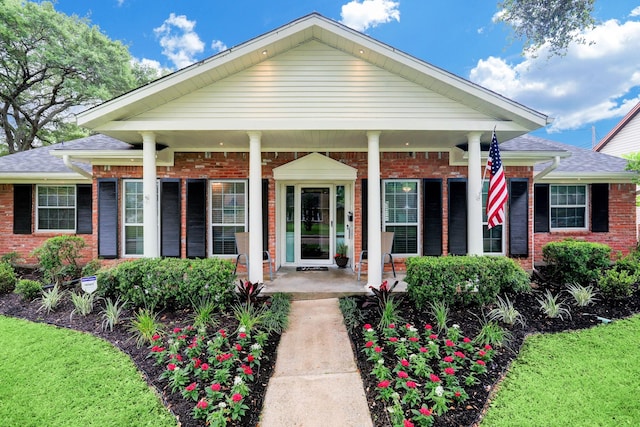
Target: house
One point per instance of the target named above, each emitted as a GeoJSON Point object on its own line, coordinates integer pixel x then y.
{"type": "Point", "coordinates": [622, 140]}
{"type": "Point", "coordinates": [310, 136]}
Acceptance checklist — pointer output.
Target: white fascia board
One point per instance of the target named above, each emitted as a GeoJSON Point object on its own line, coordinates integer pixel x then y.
{"type": "Point", "coordinates": [116, 157]}
{"type": "Point", "coordinates": [586, 178]}
{"type": "Point", "coordinates": [43, 178]}
{"type": "Point", "coordinates": [509, 158]}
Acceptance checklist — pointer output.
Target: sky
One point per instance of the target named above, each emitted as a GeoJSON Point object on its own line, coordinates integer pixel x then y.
{"type": "Point", "coordinates": [586, 92]}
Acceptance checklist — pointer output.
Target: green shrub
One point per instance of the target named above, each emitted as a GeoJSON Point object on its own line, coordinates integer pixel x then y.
{"type": "Point", "coordinates": [8, 278]}
{"type": "Point", "coordinates": [573, 261]}
{"type": "Point", "coordinates": [58, 258]}
{"type": "Point", "coordinates": [91, 268]}
{"type": "Point", "coordinates": [616, 284]}
{"type": "Point", "coordinates": [28, 289]}
{"type": "Point", "coordinates": [466, 280]}
{"type": "Point", "coordinates": [11, 257]}
{"type": "Point", "coordinates": [174, 283]}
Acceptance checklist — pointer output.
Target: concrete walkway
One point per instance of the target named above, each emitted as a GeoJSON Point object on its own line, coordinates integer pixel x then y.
{"type": "Point", "coordinates": [316, 381]}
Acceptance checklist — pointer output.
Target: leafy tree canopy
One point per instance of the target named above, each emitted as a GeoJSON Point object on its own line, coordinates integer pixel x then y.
{"type": "Point", "coordinates": [52, 65]}
{"type": "Point", "coordinates": [556, 22]}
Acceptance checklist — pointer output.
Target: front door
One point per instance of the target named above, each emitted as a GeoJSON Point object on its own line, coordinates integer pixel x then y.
{"type": "Point", "coordinates": [316, 224]}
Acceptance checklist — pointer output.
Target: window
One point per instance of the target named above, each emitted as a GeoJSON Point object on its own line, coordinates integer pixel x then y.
{"type": "Point", "coordinates": [401, 214]}
{"type": "Point", "coordinates": [491, 238]}
{"type": "Point", "coordinates": [133, 217]}
{"type": "Point", "coordinates": [56, 207]}
{"type": "Point", "coordinates": [568, 206]}
{"type": "Point", "coordinates": [228, 215]}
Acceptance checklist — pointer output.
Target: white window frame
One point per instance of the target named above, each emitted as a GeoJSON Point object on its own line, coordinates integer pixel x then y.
{"type": "Point", "coordinates": [126, 224]}
{"type": "Point", "coordinates": [212, 224]}
{"type": "Point", "coordinates": [485, 222]}
{"type": "Point", "coordinates": [585, 207]}
{"type": "Point", "coordinates": [74, 208]}
{"type": "Point", "coordinates": [417, 223]}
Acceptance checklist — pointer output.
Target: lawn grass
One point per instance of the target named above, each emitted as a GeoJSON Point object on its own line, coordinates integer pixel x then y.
{"type": "Point", "coordinates": [57, 377]}
{"type": "Point", "coordinates": [584, 378]}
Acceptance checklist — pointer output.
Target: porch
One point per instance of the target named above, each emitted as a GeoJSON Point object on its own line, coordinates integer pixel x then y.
{"type": "Point", "coordinates": [333, 282]}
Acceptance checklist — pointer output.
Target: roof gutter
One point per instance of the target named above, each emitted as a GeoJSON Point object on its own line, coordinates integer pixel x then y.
{"type": "Point", "coordinates": [550, 168]}
{"type": "Point", "coordinates": [67, 162]}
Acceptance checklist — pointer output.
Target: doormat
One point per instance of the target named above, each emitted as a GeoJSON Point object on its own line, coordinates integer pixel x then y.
{"type": "Point", "coordinates": [312, 268]}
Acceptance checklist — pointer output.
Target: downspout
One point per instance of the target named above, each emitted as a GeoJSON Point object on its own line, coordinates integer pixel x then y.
{"type": "Point", "coordinates": [544, 172]}
{"type": "Point", "coordinates": [67, 163]}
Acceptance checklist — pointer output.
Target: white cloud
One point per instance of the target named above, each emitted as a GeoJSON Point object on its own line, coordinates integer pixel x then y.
{"type": "Point", "coordinates": [592, 82]}
{"type": "Point", "coordinates": [361, 15]}
{"type": "Point", "coordinates": [180, 43]}
{"type": "Point", "coordinates": [218, 46]}
{"type": "Point", "coordinates": [635, 12]}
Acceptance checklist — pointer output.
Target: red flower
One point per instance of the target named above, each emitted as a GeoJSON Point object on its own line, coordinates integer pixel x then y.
{"type": "Point", "coordinates": [242, 335]}
{"type": "Point", "coordinates": [369, 344]}
{"type": "Point", "coordinates": [411, 384]}
{"type": "Point", "coordinates": [414, 339]}
{"type": "Point", "coordinates": [466, 340]}
{"type": "Point", "coordinates": [425, 411]}
{"type": "Point", "coordinates": [457, 394]}
{"type": "Point", "coordinates": [449, 343]}
{"type": "Point", "coordinates": [223, 333]}
{"type": "Point", "coordinates": [171, 367]}
{"type": "Point", "coordinates": [407, 325]}
{"type": "Point", "coordinates": [384, 384]}
{"type": "Point", "coordinates": [377, 349]}
{"type": "Point", "coordinates": [202, 404]}
{"type": "Point", "coordinates": [449, 371]}
{"type": "Point", "coordinates": [215, 387]}
{"type": "Point", "coordinates": [204, 366]}
{"type": "Point", "coordinates": [393, 339]}
{"type": "Point", "coordinates": [434, 378]}
{"type": "Point", "coordinates": [238, 347]}
{"type": "Point", "coordinates": [182, 337]}
{"type": "Point", "coordinates": [250, 358]}
{"type": "Point", "coordinates": [197, 362]}
{"type": "Point", "coordinates": [402, 374]}
{"type": "Point", "coordinates": [459, 354]}
{"type": "Point", "coordinates": [408, 423]}
{"type": "Point", "coordinates": [428, 327]}
{"type": "Point", "coordinates": [367, 326]}
{"type": "Point", "coordinates": [481, 353]}
{"type": "Point", "coordinates": [191, 387]}
{"type": "Point", "coordinates": [488, 347]}
{"type": "Point", "coordinates": [237, 397]}
{"type": "Point", "coordinates": [156, 337]}
{"type": "Point", "coordinates": [480, 362]}
{"type": "Point", "coordinates": [392, 326]}
{"type": "Point", "coordinates": [177, 330]}
{"type": "Point", "coordinates": [247, 370]}
{"type": "Point", "coordinates": [448, 359]}
{"type": "Point", "coordinates": [433, 337]}
{"type": "Point", "coordinates": [404, 362]}
{"type": "Point", "coordinates": [423, 349]}
{"type": "Point", "coordinates": [157, 349]}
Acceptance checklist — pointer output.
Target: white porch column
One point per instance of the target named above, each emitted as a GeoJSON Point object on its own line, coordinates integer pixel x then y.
{"type": "Point", "coordinates": [255, 208]}
{"type": "Point", "coordinates": [150, 190]}
{"type": "Point", "coordinates": [474, 195]}
{"type": "Point", "coordinates": [374, 226]}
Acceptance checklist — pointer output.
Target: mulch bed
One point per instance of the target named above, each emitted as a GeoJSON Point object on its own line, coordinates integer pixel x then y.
{"type": "Point", "coordinates": [471, 412]}
{"type": "Point", "coordinates": [13, 305]}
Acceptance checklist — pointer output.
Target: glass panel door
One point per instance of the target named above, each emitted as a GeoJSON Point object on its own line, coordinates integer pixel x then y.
{"type": "Point", "coordinates": [315, 224]}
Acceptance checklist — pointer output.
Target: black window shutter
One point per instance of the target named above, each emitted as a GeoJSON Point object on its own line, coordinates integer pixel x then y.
{"type": "Point", "coordinates": [265, 214]}
{"type": "Point", "coordinates": [108, 218]}
{"type": "Point", "coordinates": [541, 208]}
{"type": "Point", "coordinates": [22, 208]}
{"type": "Point", "coordinates": [519, 217]}
{"type": "Point", "coordinates": [170, 217]}
{"type": "Point", "coordinates": [84, 209]}
{"type": "Point", "coordinates": [196, 218]}
{"type": "Point", "coordinates": [364, 212]}
{"type": "Point", "coordinates": [432, 216]}
{"type": "Point", "coordinates": [457, 216]}
{"type": "Point", "coordinates": [600, 208]}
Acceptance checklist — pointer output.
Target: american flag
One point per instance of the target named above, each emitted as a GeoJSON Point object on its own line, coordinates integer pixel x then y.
{"type": "Point", "coordinates": [497, 195]}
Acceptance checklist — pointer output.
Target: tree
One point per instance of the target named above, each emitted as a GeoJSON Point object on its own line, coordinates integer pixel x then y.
{"type": "Point", "coordinates": [557, 22]}
{"type": "Point", "coordinates": [52, 65]}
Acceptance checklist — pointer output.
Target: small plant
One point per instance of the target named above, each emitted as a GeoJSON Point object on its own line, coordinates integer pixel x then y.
{"type": "Point", "coordinates": [11, 258]}
{"type": "Point", "coordinates": [50, 299]}
{"type": "Point", "coordinates": [380, 295]}
{"type": "Point", "coordinates": [552, 307]}
{"type": "Point", "coordinates": [204, 314]}
{"type": "Point", "coordinates": [505, 312]}
{"type": "Point", "coordinates": [351, 313]}
{"type": "Point", "coordinates": [112, 313]}
{"type": "Point", "coordinates": [28, 289]}
{"type": "Point", "coordinates": [389, 314]}
{"type": "Point", "coordinates": [249, 316]}
{"type": "Point", "coordinates": [144, 326]}
{"type": "Point", "coordinates": [8, 278]}
{"type": "Point", "coordinates": [341, 250]}
{"type": "Point", "coordinates": [493, 334]}
{"type": "Point", "coordinates": [58, 258]}
{"type": "Point", "coordinates": [82, 303]}
{"type": "Point", "coordinates": [616, 284]}
{"type": "Point", "coordinates": [276, 319]}
{"type": "Point", "coordinates": [248, 292]}
{"type": "Point", "coordinates": [582, 295]}
{"type": "Point", "coordinates": [91, 268]}
{"type": "Point", "coordinates": [440, 312]}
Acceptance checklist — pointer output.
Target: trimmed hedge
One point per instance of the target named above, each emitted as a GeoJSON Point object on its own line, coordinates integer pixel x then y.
{"type": "Point", "coordinates": [174, 283]}
{"type": "Point", "coordinates": [8, 278]}
{"type": "Point", "coordinates": [465, 280]}
{"type": "Point", "coordinates": [574, 261]}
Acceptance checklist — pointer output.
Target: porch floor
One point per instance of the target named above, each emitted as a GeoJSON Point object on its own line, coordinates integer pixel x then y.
{"type": "Point", "coordinates": [333, 283]}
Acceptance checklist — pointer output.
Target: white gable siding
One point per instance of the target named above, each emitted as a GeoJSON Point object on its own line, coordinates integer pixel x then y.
{"type": "Point", "coordinates": [626, 141]}
{"type": "Point", "coordinates": [313, 82]}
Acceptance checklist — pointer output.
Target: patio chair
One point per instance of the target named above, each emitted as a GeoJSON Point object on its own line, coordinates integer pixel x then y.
{"type": "Point", "coordinates": [387, 243]}
{"type": "Point", "coordinates": [242, 245]}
